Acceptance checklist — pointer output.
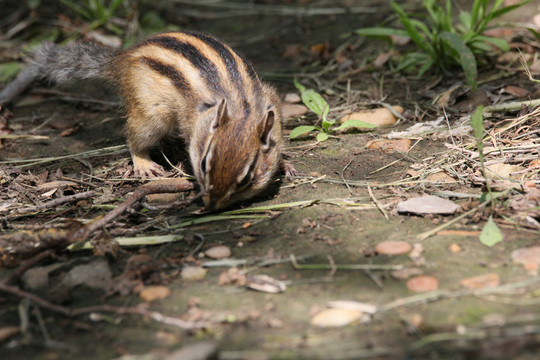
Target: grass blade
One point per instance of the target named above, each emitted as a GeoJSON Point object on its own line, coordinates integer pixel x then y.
{"type": "Point", "coordinates": [466, 57]}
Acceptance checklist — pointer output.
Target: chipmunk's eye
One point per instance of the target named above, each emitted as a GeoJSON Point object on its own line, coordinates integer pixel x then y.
{"type": "Point", "coordinates": [203, 165]}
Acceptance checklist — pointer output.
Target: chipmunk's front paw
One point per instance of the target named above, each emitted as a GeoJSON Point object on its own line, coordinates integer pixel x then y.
{"type": "Point", "coordinates": [288, 169]}
{"type": "Point", "coordinates": [146, 168]}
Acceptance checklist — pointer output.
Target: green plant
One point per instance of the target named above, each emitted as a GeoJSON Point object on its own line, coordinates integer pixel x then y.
{"type": "Point", "coordinates": [443, 43]}
{"type": "Point", "coordinates": [98, 12]}
{"type": "Point", "coordinates": [316, 103]}
{"type": "Point", "coordinates": [490, 234]}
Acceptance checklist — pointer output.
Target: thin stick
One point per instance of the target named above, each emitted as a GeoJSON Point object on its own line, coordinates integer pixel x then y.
{"type": "Point", "coordinates": [343, 177]}
{"type": "Point", "coordinates": [57, 201]}
{"type": "Point", "coordinates": [379, 206]}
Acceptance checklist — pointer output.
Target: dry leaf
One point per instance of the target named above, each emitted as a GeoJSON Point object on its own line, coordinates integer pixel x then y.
{"type": "Point", "coordinates": [151, 293]}
{"type": "Point", "coordinates": [56, 184]}
{"type": "Point", "coordinates": [379, 116]}
{"type": "Point", "coordinates": [429, 204]}
{"type": "Point", "coordinates": [528, 257]}
{"type": "Point", "coordinates": [455, 248]}
{"type": "Point", "coordinates": [440, 176]}
{"type": "Point", "coordinates": [516, 91]}
{"type": "Point", "coordinates": [481, 281]}
{"type": "Point", "coordinates": [393, 247]}
{"type": "Point", "coordinates": [390, 146]}
{"type": "Point", "coordinates": [501, 170]}
{"type": "Point", "coordinates": [192, 273]}
{"type": "Point", "coordinates": [292, 51]}
{"type": "Point", "coordinates": [265, 283]}
{"type": "Point", "coordinates": [423, 283]}
{"type": "Point", "coordinates": [218, 252]}
{"type": "Point", "coordinates": [292, 98]}
{"type": "Point", "coordinates": [293, 110]}
{"type": "Point", "coordinates": [352, 305]}
{"type": "Point", "coordinates": [335, 317]}
{"type": "Point", "coordinates": [232, 276]}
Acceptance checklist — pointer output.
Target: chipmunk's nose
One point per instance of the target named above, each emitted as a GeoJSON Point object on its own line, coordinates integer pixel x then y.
{"type": "Point", "coordinates": [213, 203]}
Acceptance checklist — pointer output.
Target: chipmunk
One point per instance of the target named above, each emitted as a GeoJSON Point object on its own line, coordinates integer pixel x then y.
{"type": "Point", "coordinates": [187, 83]}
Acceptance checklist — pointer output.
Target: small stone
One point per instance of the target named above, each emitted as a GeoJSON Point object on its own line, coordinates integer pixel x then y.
{"type": "Point", "coordinates": [335, 317]}
{"type": "Point", "coordinates": [292, 98]}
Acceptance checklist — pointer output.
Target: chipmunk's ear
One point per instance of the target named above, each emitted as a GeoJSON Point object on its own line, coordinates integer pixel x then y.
{"type": "Point", "coordinates": [268, 124]}
{"type": "Point", "coordinates": [221, 115]}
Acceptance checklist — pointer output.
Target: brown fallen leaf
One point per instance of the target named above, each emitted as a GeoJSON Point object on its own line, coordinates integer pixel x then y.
{"type": "Point", "coordinates": [218, 252]}
{"type": "Point", "coordinates": [380, 116]}
{"type": "Point", "coordinates": [56, 184]}
{"type": "Point", "coordinates": [440, 176]}
{"type": "Point", "coordinates": [481, 281]}
{"type": "Point", "coordinates": [292, 98]}
{"type": "Point", "coordinates": [151, 293]}
{"type": "Point", "coordinates": [70, 131]}
{"type": "Point", "coordinates": [501, 170]}
{"type": "Point", "coordinates": [293, 110]}
{"type": "Point", "coordinates": [429, 204]}
{"type": "Point", "coordinates": [516, 91]}
{"type": "Point", "coordinates": [423, 283]}
{"type": "Point", "coordinates": [455, 248]}
{"type": "Point", "coordinates": [336, 317]}
{"type": "Point", "coordinates": [390, 146]}
{"type": "Point", "coordinates": [393, 247]}
{"type": "Point", "coordinates": [232, 276]}
{"type": "Point", "coordinates": [193, 273]}
{"type": "Point", "coordinates": [265, 283]}
{"type": "Point", "coordinates": [292, 51]}
{"type": "Point", "coordinates": [529, 257]}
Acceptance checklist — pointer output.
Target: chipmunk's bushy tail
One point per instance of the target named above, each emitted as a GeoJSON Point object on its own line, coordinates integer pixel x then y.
{"type": "Point", "coordinates": [62, 65]}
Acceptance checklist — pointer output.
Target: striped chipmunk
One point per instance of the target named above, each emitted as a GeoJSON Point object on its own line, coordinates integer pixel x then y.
{"type": "Point", "coordinates": [181, 83]}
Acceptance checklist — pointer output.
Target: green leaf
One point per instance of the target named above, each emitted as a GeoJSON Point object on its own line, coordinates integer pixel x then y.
{"type": "Point", "coordinates": [504, 10]}
{"type": "Point", "coordinates": [491, 196]}
{"type": "Point", "coordinates": [299, 86]}
{"type": "Point", "coordinates": [500, 43]}
{"type": "Point", "coordinates": [358, 124]}
{"type": "Point", "coordinates": [477, 123]}
{"type": "Point", "coordinates": [380, 31]}
{"type": "Point", "coordinates": [301, 130]}
{"type": "Point", "coordinates": [466, 57]}
{"type": "Point", "coordinates": [415, 36]}
{"type": "Point", "coordinates": [327, 123]}
{"type": "Point", "coordinates": [315, 102]}
{"type": "Point", "coordinates": [465, 19]}
{"type": "Point", "coordinates": [491, 234]}
{"type": "Point", "coordinates": [322, 137]}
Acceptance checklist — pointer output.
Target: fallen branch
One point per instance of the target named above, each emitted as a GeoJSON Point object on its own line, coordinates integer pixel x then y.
{"type": "Point", "coordinates": [24, 244]}
{"type": "Point", "coordinates": [154, 315]}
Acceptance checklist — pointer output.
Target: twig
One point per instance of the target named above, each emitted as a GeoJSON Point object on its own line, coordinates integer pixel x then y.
{"type": "Point", "coordinates": [511, 106]}
{"type": "Point", "coordinates": [343, 266]}
{"type": "Point", "coordinates": [343, 177]}
{"type": "Point", "coordinates": [379, 206]}
{"type": "Point", "coordinates": [57, 201]}
{"type": "Point", "coordinates": [154, 315]}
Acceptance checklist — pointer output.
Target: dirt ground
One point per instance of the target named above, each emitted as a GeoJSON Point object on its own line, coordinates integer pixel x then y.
{"type": "Point", "coordinates": [333, 214]}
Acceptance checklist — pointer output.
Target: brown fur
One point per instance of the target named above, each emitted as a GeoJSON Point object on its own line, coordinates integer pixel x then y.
{"type": "Point", "coordinates": [188, 84]}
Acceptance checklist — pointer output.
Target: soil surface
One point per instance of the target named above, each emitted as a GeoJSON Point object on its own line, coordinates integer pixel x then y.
{"type": "Point", "coordinates": [335, 211]}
